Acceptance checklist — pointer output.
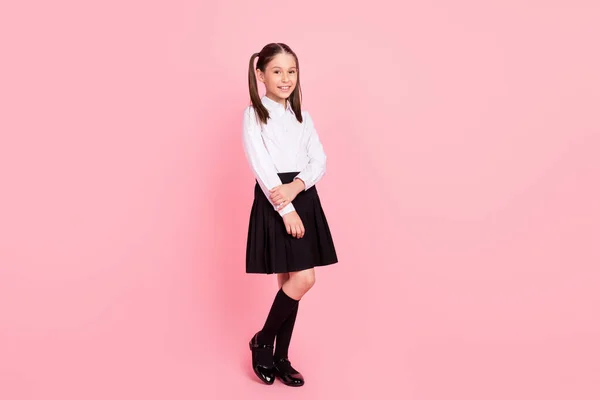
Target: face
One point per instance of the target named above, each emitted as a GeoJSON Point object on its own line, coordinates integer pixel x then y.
{"type": "Point", "coordinates": [280, 77]}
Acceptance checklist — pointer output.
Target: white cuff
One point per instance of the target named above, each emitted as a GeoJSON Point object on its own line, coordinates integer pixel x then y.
{"type": "Point", "coordinates": [287, 209]}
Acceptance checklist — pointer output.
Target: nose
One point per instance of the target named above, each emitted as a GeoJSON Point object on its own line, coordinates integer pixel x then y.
{"type": "Point", "coordinates": [285, 77]}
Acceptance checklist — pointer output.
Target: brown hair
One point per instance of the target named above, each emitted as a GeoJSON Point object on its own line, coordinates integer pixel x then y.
{"type": "Point", "coordinates": [264, 57]}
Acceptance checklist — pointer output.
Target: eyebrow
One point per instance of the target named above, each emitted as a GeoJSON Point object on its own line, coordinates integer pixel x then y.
{"type": "Point", "coordinates": [276, 66]}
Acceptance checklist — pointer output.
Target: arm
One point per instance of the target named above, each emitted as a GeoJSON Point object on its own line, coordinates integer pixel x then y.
{"type": "Point", "coordinates": [259, 159]}
{"type": "Point", "coordinates": [315, 169]}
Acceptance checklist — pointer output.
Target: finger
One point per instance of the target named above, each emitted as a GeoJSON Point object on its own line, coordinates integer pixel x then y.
{"type": "Point", "coordinates": [294, 230]}
{"type": "Point", "coordinates": [302, 232]}
{"type": "Point", "coordinates": [288, 228]}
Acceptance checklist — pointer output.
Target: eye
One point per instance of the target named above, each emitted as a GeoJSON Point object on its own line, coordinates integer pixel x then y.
{"type": "Point", "coordinates": [292, 72]}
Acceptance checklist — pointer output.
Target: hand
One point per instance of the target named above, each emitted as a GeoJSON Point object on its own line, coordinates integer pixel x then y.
{"type": "Point", "coordinates": [293, 224]}
{"type": "Point", "coordinates": [283, 195]}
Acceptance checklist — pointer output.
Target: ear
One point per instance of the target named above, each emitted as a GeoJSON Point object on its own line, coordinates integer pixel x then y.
{"type": "Point", "coordinates": [260, 75]}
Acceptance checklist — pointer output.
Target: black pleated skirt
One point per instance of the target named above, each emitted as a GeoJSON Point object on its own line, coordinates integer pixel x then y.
{"type": "Point", "coordinates": [271, 250]}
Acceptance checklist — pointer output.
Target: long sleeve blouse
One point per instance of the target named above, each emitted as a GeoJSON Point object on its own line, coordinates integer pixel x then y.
{"type": "Point", "coordinates": [282, 145]}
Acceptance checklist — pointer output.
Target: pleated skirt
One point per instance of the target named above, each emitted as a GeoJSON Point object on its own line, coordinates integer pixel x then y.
{"type": "Point", "coordinates": [271, 250]}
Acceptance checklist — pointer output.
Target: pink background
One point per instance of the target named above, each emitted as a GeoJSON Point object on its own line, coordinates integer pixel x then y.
{"type": "Point", "coordinates": [462, 193]}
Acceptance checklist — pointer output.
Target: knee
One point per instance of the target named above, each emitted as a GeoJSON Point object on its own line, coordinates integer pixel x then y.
{"type": "Point", "coordinates": [305, 282]}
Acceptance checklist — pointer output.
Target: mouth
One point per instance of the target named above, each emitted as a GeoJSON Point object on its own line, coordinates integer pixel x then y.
{"type": "Point", "coordinates": [284, 88]}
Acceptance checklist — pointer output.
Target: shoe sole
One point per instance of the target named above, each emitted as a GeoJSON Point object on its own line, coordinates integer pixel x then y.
{"type": "Point", "coordinates": [288, 384]}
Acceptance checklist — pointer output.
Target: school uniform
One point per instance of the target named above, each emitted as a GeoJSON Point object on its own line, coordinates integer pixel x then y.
{"type": "Point", "coordinates": [277, 152]}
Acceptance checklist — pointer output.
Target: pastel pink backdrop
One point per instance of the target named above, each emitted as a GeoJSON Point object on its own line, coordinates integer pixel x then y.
{"type": "Point", "coordinates": [462, 193]}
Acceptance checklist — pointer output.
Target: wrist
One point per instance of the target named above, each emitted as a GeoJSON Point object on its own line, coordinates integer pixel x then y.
{"type": "Point", "coordinates": [299, 185]}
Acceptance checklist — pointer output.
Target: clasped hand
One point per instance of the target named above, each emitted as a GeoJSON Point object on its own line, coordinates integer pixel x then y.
{"type": "Point", "coordinates": [283, 195]}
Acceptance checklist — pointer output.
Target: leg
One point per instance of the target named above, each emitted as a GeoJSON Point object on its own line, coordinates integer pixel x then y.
{"type": "Point", "coordinates": [298, 284]}
{"type": "Point", "coordinates": [261, 343]}
{"type": "Point", "coordinates": [284, 334]}
{"type": "Point", "coordinates": [285, 302]}
{"type": "Point", "coordinates": [291, 288]}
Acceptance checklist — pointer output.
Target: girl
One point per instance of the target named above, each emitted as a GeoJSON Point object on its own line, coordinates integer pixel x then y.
{"type": "Point", "coordinates": [288, 233]}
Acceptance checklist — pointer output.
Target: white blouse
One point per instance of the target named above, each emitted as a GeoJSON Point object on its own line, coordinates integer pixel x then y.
{"type": "Point", "coordinates": [282, 145]}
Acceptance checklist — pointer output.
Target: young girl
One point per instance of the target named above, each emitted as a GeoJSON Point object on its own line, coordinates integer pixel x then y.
{"type": "Point", "coordinates": [288, 233]}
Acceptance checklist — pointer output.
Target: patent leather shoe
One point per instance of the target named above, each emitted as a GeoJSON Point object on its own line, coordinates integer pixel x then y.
{"type": "Point", "coordinates": [262, 360]}
{"type": "Point", "coordinates": [287, 374]}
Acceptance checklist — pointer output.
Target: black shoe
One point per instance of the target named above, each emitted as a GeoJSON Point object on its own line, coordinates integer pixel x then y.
{"type": "Point", "coordinates": [262, 360]}
{"type": "Point", "coordinates": [287, 374]}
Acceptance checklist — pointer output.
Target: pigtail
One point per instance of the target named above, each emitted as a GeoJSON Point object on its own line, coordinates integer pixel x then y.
{"type": "Point", "coordinates": [260, 110]}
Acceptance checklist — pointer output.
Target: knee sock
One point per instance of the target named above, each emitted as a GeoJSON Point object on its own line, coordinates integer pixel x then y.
{"type": "Point", "coordinates": [283, 306]}
{"type": "Point", "coordinates": [284, 335]}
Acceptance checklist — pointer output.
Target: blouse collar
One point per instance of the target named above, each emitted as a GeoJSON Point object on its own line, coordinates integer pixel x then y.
{"type": "Point", "coordinates": [274, 107]}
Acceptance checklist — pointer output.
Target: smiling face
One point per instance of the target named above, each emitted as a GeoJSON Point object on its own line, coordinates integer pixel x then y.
{"type": "Point", "coordinates": [280, 77]}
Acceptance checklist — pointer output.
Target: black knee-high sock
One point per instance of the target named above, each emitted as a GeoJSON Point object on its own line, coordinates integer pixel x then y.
{"type": "Point", "coordinates": [282, 306]}
{"type": "Point", "coordinates": [284, 335]}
